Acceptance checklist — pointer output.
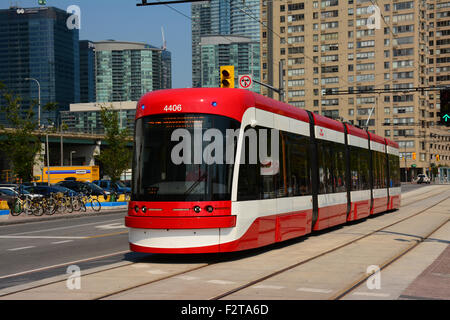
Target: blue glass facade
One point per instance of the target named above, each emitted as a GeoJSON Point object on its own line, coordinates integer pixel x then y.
{"type": "Point", "coordinates": [36, 43]}
{"type": "Point", "coordinates": [124, 71]}
{"type": "Point", "coordinates": [222, 18]}
{"type": "Point", "coordinates": [87, 71]}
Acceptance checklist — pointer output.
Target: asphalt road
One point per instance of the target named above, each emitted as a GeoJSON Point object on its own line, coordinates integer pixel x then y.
{"type": "Point", "coordinates": [412, 186]}
{"type": "Point", "coordinates": [37, 250]}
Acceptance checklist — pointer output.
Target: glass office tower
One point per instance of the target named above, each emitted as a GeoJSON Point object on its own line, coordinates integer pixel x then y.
{"type": "Point", "coordinates": [223, 18]}
{"type": "Point", "coordinates": [87, 71]}
{"type": "Point", "coordinates": [36, 43]}
{"type": "Point", "coordinates": [127, 70]}
{"type": "Point", "coordinates": [240, 52]}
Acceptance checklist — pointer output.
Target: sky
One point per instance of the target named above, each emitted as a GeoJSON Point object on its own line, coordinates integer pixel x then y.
{"type": "Point", "coordinates": [123, 20]}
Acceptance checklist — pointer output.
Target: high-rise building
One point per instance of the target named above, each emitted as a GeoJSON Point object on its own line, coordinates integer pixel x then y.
{"type": "Point", "coordinates": [125, 71]}
{"type": "Point", "coordinates": [166, 69]}
{"type": "Point", "coordinates": [36, 43]}
{"type": "Point", "coordinates": [240, 52]}
{"type": "Point", "coordinates": [86, 117]}
{"type": "Point", "coordinates": [354, 46]}
{"type": "Point", "coordinates": [201, 25]}
{"type": "Point", "coordinates": [87, 71]}
{"type": "Point", "coordinates": [222, 18]}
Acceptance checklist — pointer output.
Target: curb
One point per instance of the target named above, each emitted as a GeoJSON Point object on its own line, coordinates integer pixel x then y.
{"type": "Point", "coordinates": [32, 218]}
{"type": "Point", "coordinates": [4, 210]}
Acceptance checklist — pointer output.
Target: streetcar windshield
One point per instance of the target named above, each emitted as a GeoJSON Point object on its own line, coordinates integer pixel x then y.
{"type": "Point", "coordinates": [172, 158]}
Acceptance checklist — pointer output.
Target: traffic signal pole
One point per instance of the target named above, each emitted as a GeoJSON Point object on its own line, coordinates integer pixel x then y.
{"type": "Point", "coordinates": [279, 90]}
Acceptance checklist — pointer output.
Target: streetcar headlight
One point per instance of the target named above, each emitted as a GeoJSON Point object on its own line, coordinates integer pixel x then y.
{"type": "Point", "coordinates": [209, 209]}
{"type": "Point", "coordinates": [144, 209]}
{"type": "Point", "coordinates": [136, 209]}
{"type": "Point", "coordinates": [197, 209]}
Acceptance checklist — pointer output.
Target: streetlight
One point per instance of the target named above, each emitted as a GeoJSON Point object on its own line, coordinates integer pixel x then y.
{"type": "Point", "coordinates": [39, 101]}
{"type": "Point", "coordinates": [71, 152]}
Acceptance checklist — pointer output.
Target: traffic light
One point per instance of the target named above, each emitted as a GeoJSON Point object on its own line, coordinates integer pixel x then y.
{"type": "Point", "coordinates": [437, 158]}
{"type": "Point", "coordinates": [444, 114]}
{"type": "Point", "coordinates": [414, 156]}
{"type": "Point", "coordinates": [42, 2]}
{"type": "Point", "coordinates": [227, 76]}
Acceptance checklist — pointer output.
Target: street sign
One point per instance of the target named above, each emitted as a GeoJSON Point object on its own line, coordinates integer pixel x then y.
{"type": "Point", "coordinates": [245, 81]}
{"type": "Point", "coordinates": [413, 166]}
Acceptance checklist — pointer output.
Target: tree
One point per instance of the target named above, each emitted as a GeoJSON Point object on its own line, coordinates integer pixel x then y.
{"type": "Point", "coordinates": [116, 157]}
{"type": "Point", "coordinates": [20, 145]}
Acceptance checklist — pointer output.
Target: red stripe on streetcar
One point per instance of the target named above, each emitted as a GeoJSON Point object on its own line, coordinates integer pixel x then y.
{"type": "Point", "coordinates": [180, 222]}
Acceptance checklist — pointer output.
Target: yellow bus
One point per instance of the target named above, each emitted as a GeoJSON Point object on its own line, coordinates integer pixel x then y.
{"type": "Point", "coordinates": [80, 173]}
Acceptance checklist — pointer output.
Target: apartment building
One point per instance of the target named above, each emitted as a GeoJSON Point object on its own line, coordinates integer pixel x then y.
{"type": "Point", "coordinates": [358, 46]}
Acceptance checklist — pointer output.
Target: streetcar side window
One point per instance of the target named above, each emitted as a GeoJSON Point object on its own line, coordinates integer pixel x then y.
{"type": "Point", "coordinates": [379, 170]}
{"type": "Point", "coordinates": [298, 174]}
{"type": "Point", "coordinates": [249, 175]}
{"type": "Point", "coordinates": [325, 156]}
{"type": "Point", "coordinates": [359, 168]}
{"type": "Point", "coordinates": [331, 156]}
{"type": "Point", "coordinates": [291, 175]}
{"type": "Point", "coordinates": [339, 165]}
{"type": "Point", "coordinates": [394, 171]}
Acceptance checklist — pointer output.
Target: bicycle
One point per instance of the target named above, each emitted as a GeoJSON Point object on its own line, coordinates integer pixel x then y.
{"type": "Point", "coordinates": [22, 203]}
{"type": "Point", "coordinates": [92, 202]}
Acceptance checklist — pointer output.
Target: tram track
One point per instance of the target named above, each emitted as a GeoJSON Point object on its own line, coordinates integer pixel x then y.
{"type": "Point", "coordinates": [215, 261]}
{"type": "Point", "coordinates": [347, 291]}
{"type": "Point", "coordinates": [251, 283]}
{"type": "Point", "coordinates": [360, 281]}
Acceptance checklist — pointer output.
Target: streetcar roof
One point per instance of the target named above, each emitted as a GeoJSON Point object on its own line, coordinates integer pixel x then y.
{"type": "Point", "coordinates": [226, 102]}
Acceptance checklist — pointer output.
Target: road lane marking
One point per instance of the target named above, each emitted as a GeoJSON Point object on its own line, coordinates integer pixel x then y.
{"type": "Point", "coordinates": [63, 237]}
{"type": "Point", "coordinates": [64, 241]}
{"type": "Point", "coordinates": [371, 294]}
{"type": "Point", "coordinates": [22, 248]}
{"type": "Point", "coordinates": [221, 282]}
{"type": "Point", "coordinates": [188, 278]}
{"type": "Point", "coordinates": [265, 286]}
{"type": "Point", "coordinates": [116, 225]}
{"type": "Point", "coordinates": [157, 271]}
{"type": "Point", "coordinates": [40, 237]}
{"type": "Point", "coordinates": [62, 228]}
{"type": "Point", "coordinates": [315, 290]}
{"type": "Point", "coordinates": [106, 235]}
{"type": "Point", "coordinates": [63, 264]}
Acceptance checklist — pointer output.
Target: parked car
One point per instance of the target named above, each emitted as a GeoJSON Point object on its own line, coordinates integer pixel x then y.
{"type": "Point", "coordinates": [21, 191]}
{"type": "Point", "coordinates": [46, 190]}
{"type": "Point", "coordinates": [423, 178]}
{"type": "Point", "coordinates": [83, 187]}
{"type": "Point", "coordinates": [9, 196]}
{"type": "Point", "coordinates": [117, 187]}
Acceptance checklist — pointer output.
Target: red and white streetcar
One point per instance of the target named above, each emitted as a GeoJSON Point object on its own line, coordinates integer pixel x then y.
{"type": "Point", "coordinates": [196, 187]}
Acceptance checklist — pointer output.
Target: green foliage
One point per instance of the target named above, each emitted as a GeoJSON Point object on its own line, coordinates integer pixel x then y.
{"type": "Point", "coordinates": [20, 145]}
{"type": "Point", "coordinates": [116, 156]}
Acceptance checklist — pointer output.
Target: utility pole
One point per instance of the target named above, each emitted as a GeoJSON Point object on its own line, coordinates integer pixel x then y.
{"type": "Point", "coordinates": [279, 90]}
{"type": "Point", "coordinates": [48, 160]}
